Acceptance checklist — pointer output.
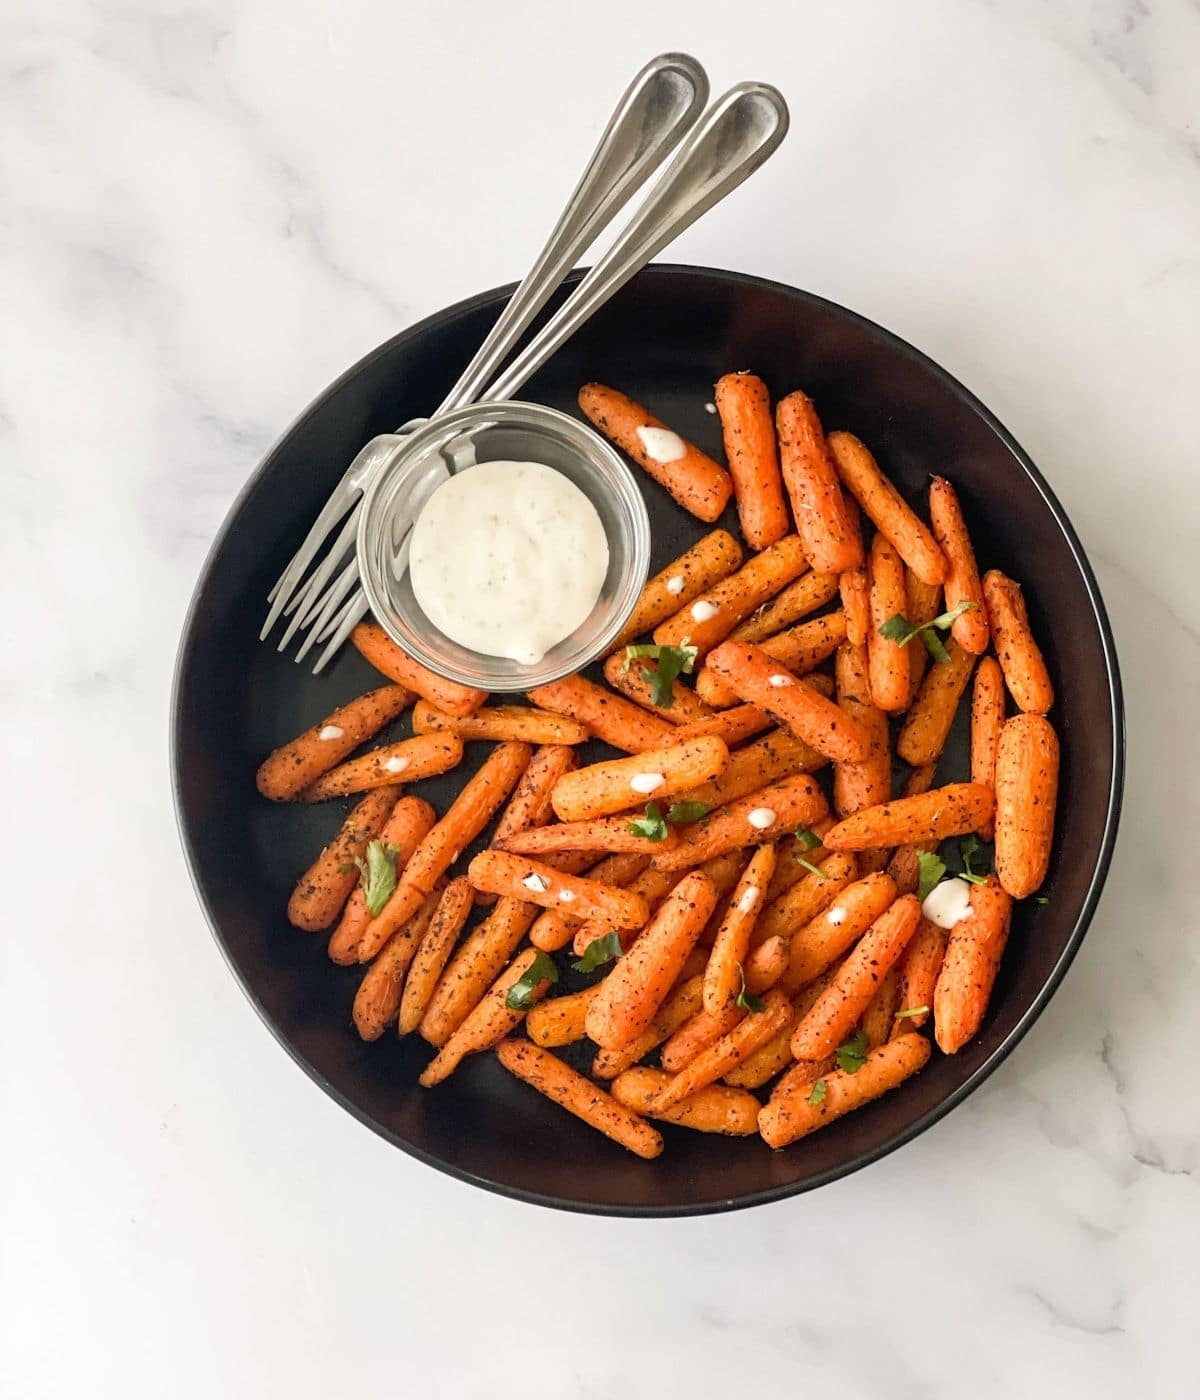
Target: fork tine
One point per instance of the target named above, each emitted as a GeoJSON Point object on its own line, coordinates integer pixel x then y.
{"type": "Point", "coordinates": [309, 600]}
{"type": "Point", "coordinates": [344, 496]}
{"type": "Point", "coordinates": [355, 609]}
{"type": "Point", "coordinates": [330, 603]}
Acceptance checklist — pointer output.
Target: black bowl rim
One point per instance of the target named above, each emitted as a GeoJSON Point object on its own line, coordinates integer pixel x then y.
{"type": "Point", "coordinates": [1049, 987]}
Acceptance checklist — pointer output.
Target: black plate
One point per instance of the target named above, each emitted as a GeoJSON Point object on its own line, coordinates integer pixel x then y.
{"type": "Point", "coordinates": [664, 339]}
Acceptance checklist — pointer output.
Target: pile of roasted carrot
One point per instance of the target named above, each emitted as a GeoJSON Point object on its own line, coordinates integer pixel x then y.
{"type": "Point", "coordinates": [734, 929]}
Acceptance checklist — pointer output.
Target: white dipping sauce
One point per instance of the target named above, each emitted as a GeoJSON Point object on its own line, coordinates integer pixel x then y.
{"type": "Point", "coordinates": [948, 903]}
{"type": "Point", "coordinates": [662, 445]}
{"type": "Point", "coordinates": [508, 559]}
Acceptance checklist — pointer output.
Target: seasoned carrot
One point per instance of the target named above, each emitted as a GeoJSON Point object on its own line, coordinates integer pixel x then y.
{"type": "Point", "coordinates": [776, 755]}
{"type": "Point", "coordinates": [734, 1047]}
{"type": "Point", "coordinates": [923, 820]}
{"type": "Point", "coordinates": [823, 516]}
{"type": "Point", "coordinates": [851, 673]}
{"type": "Point", "coordinates": [680, 1006]}
{"type": "Point", "coordinates": [723, 976]}
{"type": "Point", "coordinates": [715, 614]}
{"type": "Point", "coordinates": [549, 1076]}
{"type": "Point", "coordinates": [610, 717]}
{"type": "Point", "coordinates": [622, 783]}
{"type": "Point", "coordinates": [1027, 761]}
{"type": "Point", "coordinates": [855, 595]}
{"type": "Point", "coordinates": [795, 856]}
{"type": "Point", "coordinates": [869, 781]}
{"type": "Point", "coordinates": [738, 723]}
{"type": "Point", "coordinates": [918, 971]}
{"type": "Point", "coordinates": [642, 979]}
{"type": "Point", "coordinates": [927, 724]}
{"type": "Point", "coordinates": [295, 765]}
{"type": "Point", "coordinates": [763, 968]}
{"type": "Point", "coordinates": [475, 805]}
{"type": "Point", "coordinates": [636, 682]}
{"type": "Point", "coordinates": [328, 882]}
{"type": "Point", "coordinates": [969, 966]}
{"type": "Point", "coordinates": [800, 648]}
{"type": "Point", "coordinates": [378, 648]}
{"type": "Point", "coordinates": [707, 562]}
{"type": "Point", "coordinates": [987, 720]}
{"type": "Point", "coordinates": [550, 931]}
{"type": "Point", "coordinates": [840, 1007]}
{"type": "Point", "coordinates": [602, 834]}
{"type": "Point", "coordinates": [404, 762]}
{"type": "Point", "coordinates": [532, 801]}
{"type": "Point", "coordinates": [407, 824]}
{"type": "Point", "coordinates": [487, 1023]}
{"type": "Point", "coordinates": [776, 1054]}
{"type": "Point", "coordinates": [561, 1020]}
{"type": "Point", "coordinates": [880, 500]}
{"type": "Point", "coordinates": [877, 1019]}
{"type": "Point", "coordinates": [888, 667]}
{"type": "Point", "coordinates": [755, 676]}
{"type": "Point", "coordinates": [797, 1112]}
{"type": "Point", "coordinates": [970, 629]}
{"type": "Point", "coordinates": [652, 886]}
{"type": "Point", "coordinates": [744, 404]}
{"type": "Point", "coordinates": [433, 953]}
{"type": "Point", "coordinates": [379, 993]}
{"type": "Point", "coordinates": [520, 877]}
{"type": "Point", "coordinates": [715, 1109]}
{"type": "Point", "coordinates": [1019, 655]}
{"type": "Point", "coordinates": [797, 906]}
{"type": "Point", "coordinates": [751, 820]}
{"type": "Point", "coordinates": [801, 597]}
{"type": "Point", "coordinates": [904, 865]}
{"type": "Point", "coordinates": [518, 722]}
{"type": "Point", "coordinates": [921, 605]}
{"type": "Point", "coordinates": [837, 927]}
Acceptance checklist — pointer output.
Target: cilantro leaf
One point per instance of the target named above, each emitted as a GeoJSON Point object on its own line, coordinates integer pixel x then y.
{"type": "Point", "coordinates": [746, 999]}
{"type": "Point", "coordinates": [652, 826]}
{"type": "Point", "coordinates": [378, 873]}
{"type": "Point", "coordinates": [598, 952]}
{"type": "Point", "coordinates": [968, 847]}
{"type": "Point", "coordinates": [817, 1097]}
{"type": "Point", "coordinates": [853, 1055]}
{"type": "Point", "coordinates": [682, 813]}
{"type": "Point", "coordinates": [672, 663]}
{"type": "Point", "coordinates": [899, 630]}
{"type": "Point", "coordinates": [1041, 899]}
{"type": "Point", "coordinates": [523, 992]}
{"type": "Point", "coordinates": [912, 1011]}
{"type": "Point", "coordinates": [811, 868]}
{"type": "Point", "coordinates": [809, 840]}
{"type": "Point", "coordinates": [930, 869]}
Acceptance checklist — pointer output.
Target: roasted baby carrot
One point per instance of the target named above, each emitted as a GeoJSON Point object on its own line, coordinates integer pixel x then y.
{"type": "Point", "coordinates": [869, 781]}
{"type": "Point", "coordinates": [756, 818]}
{"type": "Point", "coordinates": [707, 562]}
{"type": "Point", "coordinates": [532, 801]}
{"type": "Point", "coordinates": [748, 428]}
{"type": "Point", "coordinates": [969, 966]}
{"type": "Point", "coordinates": [970, 628]}
{"type": "Point", "coordinates": [682, 1004]}
{"type": "Point", "coordinates": [888, 667]}
{"type": "Point", "coordinates": [690, 476]}
{"type": "Point", "coordinates": [295, 765]}
{"type": "Point", "coordinates": [557, 1081]}
{"type": "Point", "coordinates": [652, 886]}
{"type": "Point", "coordinates": [776, 755]}
{"type": "Point", "coordinates": [379, 993]}
{"type": "Point", "coordinates": [798, 1111]}
{"type": "Point", "coordinates": [795, 856]}
{"type": "Point", "coordinates": [735, 725]}
{"type": "Point", "coordinates": [622, 783]}
{"type": "Point", "coordinates": [518, 722]}
{"type": "Point", "coordinates": [927, 724]}
{"type": "Point", "coordinates": [798, 905]}
{"type": "Point", "coordinates": [878, 1018]}
{"type": "Point", "coordinates": [406, 761]}
{"type": "Point", "coordinates": [520, 877]}
{"type": "Point", "coordinates": [800, 648]}
{"type": "Point", "coordinates": [880, 500]}
{"type": "Point", "coordinates": [918, 971]}
{"type": "Point", "coordinates": [328, 882]}
{"type": "Point", "coordinates": [734, 1047]}
{"type": "Point", "coordinates": [763, 968]}
{"type": "Point", "coordinates": [827, 935]}
{"type": "Point", "coordinates": [433, 953]}
{"type": "Point", "coordinates": [561, 1020]}
{"type": "Point", "coordinates": [776, 1054]}
{"type": "Point", "coordinates": [1027, 761]}
{"type": "Point", "coordinates": [610, 717]}
{"type": "Point", "coordinates": [922, 603]}
{"type": "Point", "coordinates": [635, 680]}
{"type": "Point", "coordinates": [823, 516]}
{"type": "Point", "coordinates": [378, 648]}
{"type": "Point", "coordinates": [852, 585]}
{"type": "Point", "coordinates": [601, 834]}
{"type": "Point", "coordinates": [801, 597]}
{"type": "Point", "coordinates": [715, 1109]}
{"type": "Point", "coordinates": [987, 720]}
{"type": "Point", "coordinates": [714, 615]}
{"type": "Point", "coordinates": [904, 866]}
{"type": "Point", "coordinates": [723, 975]}
{"type": "Point", "coordinates": [1019, 655]}
{"type": "Point", "coordinates": [923, 820]}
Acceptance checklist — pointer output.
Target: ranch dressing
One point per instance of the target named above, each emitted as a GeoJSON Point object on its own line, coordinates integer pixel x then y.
{"type": "Point", "coordinates": [508, 559]}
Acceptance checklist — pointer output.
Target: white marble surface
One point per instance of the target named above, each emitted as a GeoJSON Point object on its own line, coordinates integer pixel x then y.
{"type": "Point", "coordinates": [209, 209]}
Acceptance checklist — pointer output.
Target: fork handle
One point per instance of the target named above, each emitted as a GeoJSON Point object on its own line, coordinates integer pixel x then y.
{"type": "Point", "coordinates": [657, 108]}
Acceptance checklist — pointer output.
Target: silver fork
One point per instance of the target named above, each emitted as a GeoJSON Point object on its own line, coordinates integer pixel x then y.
{"type": "Point", "coordinates": [654, 112]}
{"type": "Point", "coordinates": [734, 137]}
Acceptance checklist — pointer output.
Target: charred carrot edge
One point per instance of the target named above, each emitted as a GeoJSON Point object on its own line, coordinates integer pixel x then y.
{"type": "Point", "coordinates": [519, 877]}
{"type": "Point", "coordinates": [744, 405]}
{"type": "Point", "coordinates": [683, 1003]}
{"type": "Point", "coordinates": [969, 966]}
{"type": "Point", "coordinates": [561, 1020]}
{"type": "Point", "coordinates": [918, 970]}
{"type": "Point", "coordinates": [929, 817]}
{"type": "Point", "coordinates": [408, 823]}
{"type": "Point", "coordinates": [776, 755]}
{"type": "Point", "coordinates": [823, 516]}
{"type": "Point", "coordinates": [374, 644]}
{"type": "Point", "coordinates": [642, 979]}
{"type": "Point", "coordinates": [894, 519]}
{"type": "Point", "coordinates": [756, 676]}
{"type": "Point", "coordinates": [379, 993]}
{"type": "Point", "coordinates": [987, 719]}
{"type": "Point", "coordinates": [708, 561]}
{"type": "Point", "coordinates": [723, 975]}
{"type": "Point", "coordinates": [888, 667]}
{"type": "Point", "coordinates": [798, 649]}
{"type": "Point", "coordinates": [610, 717]}
{"type": "Point", "coordinates": [521, 723]}
{"type": "Point", "coordinates": [793, 1114]}
{"type": "Point", "coordinates": [1027, 761]}
{"type": "Point", "coordinates": [750, 821]}
{"type": "Point", "coordinates": [734, 1047]}
{"type": "Point", "coordinates": [1019, 655]}
{"type": "Point", "coordinates": [433, 953]}
{"type": "Point", "coordinates": [633, 680]}
{"type": "Point", "coordinates": [327, 884]}
{"type": "Point", "coordinates": [690, 476]}
{"type": "Point", "coordinates": [970, 630]}
{"type": "Point", "coordinates": [487, 1023]}
{"type": "Point", "coordinates": [406, 761]}
{"type": "Point", "coordinates": [927, 725]}
{"type": "Point", "coordinates": [715, 614]}
{"type": "Point", "coordinates": [295, 765]}
{"type": "Point", "coordinates": [557, 1081]}
{"type": "Point", "coordinates": [714, 1109]}
{"type": "Point", "coordinates": [843, 921]}
{"type": "Point", "coordinates": [801, 597]}
{"type": "Point", "coordinates": [623, 783]}
{"type": "Point", "coordinates": [922, 603]}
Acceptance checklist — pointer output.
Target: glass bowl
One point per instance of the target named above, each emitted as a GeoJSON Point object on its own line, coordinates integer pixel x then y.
{"type": "Point", "coordinates": [489, 432]}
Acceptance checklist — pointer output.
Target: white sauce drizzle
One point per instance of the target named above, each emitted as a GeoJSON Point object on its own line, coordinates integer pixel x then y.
{"type": "Point", "coordinates": [836, 915]}
{"type": "Point", "coordinates": [703, 610]}
{"type": "Point", "coordinates": [779, 679]}
{"type": "Point", "coordinates": [662, 445]}
{"type": "Point", "coordinates": [710, 408]}
{"type": "Point", "coordinates": [948, 903]}
{"type": "Point", "coordinates": [396, 764]}
{"type": "Point", "coordinates": [761, 818]}
{"type": "Point", "coordinates": [566, 896]}
{"type": "Point", "coordinates": [646, 782]}
{"type": "Point", "coordinates": [675, 585]}
{"type": "Point", "coordinates": [749, 899]}
{"type": "Point", "coordinates": [331, 731]}
{"type": "Point", "coordinates": [533, 881]}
